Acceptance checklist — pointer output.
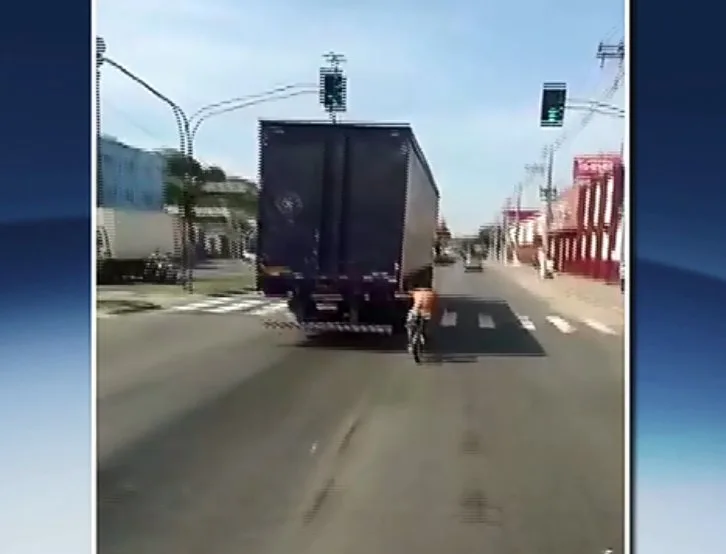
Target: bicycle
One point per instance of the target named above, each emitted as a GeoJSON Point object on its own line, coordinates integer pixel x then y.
{"type": "Point", "coordinates": [418, 338]}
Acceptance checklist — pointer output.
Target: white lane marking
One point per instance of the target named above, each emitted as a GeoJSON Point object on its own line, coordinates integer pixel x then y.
{"type": "Point", "coordinates": [560, 323]}
{"type": "Point", "coordinates": [236, 307]}
{"type": "Point", "coordinates": [525, 322]}
{"type": "Point", "coordinates": [203, 304]}
{"type": "Point", "coordinates": [599, 326]}
{"type": "Point", "coordinates": [448, 319]}
{"type": "Point", "coordinates": [265, 310]}
{"type": "Point", "coordinates": [486, 321]}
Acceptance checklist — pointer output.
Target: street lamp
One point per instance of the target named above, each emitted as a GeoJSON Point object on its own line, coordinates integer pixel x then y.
{"type": "Point", "coordinates": [187, 128]}
{"type": "Point", "coordinates": [196, 122]}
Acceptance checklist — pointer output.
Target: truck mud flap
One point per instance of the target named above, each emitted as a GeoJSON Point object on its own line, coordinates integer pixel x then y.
{"type": "Point", "coordinates": [331, 327]}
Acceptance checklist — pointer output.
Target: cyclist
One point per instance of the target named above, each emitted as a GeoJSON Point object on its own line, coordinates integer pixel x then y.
{"type": "Point", "coordinates": [425, 301]}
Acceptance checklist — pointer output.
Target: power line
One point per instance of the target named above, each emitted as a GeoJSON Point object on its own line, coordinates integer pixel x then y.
{"type": "Point", "coordinates": [130, 120]}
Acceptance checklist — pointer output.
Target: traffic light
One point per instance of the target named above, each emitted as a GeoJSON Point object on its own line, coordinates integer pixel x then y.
{"type": "Point", "coordinates": [553, 104]}
{"type": "Point", "coordinates": [333, 90]}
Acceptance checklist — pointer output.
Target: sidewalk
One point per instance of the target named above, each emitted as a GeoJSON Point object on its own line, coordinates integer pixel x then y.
{"type": "Point", "coordinates": [578, 296]}
{"type": "Point", "coordinates": [116, 302]}
{"type": "Point", "coordinates": [140, 297]}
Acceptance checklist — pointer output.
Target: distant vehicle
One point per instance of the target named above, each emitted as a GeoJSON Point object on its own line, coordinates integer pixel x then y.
{"type": "Point", "coordinates": [135, 245]}
{"type": "Point", "coordinates": [346, 216]}
{"type": "Point", "coordinates": [445, 258]}
{"type": "Point", "coordinates": [473, 264]}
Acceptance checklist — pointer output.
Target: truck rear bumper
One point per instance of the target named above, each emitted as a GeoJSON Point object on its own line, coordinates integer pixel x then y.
{"type": "Point", "coordinates": [331, 327]}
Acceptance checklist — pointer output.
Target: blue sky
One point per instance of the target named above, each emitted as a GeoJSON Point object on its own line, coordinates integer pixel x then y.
{"type": "Point", "coordinates": [467, 75]}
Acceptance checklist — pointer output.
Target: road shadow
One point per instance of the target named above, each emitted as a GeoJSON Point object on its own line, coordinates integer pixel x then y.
{"type": "Point", "coordinates": [465, 342]}
{"type": "Point", "coordinates": [354, 341]}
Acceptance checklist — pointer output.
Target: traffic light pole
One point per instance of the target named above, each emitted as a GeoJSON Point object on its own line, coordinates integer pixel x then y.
{"type": "Point", "coordinates": [554, 99]}
{"type": "Point", "coordinates": [548, 194]}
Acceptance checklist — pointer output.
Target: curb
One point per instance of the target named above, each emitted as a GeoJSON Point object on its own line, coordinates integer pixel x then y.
{"type": "Point", "coordinates": [233, 292]}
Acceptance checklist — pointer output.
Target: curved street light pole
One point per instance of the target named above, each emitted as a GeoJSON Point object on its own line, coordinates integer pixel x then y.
{"type": "Point", "coordinates": [210, 114]}
{"type": "Point", "coordinates": [182, 122]}
{"type": "Point", "coordinates": [247, 98]}
{"type": "Point", "coordinates": [186, 140]}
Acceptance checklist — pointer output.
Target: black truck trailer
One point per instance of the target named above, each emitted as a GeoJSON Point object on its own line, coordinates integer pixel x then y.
{"type": "Point", "coordinates": [346, 223]}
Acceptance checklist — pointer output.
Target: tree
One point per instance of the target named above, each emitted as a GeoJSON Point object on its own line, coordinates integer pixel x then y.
{"type": "Point", "coordinates": [442, 232]}
{"type": "Point", "coordinates": [443, 236]}
{"type": "Point", "coordinates": [485, 235]}
{"type": "Point", "coordinates": [179, 167]}
{"type": "Point", "coordinates": [176, 193]}
{"type": "Point", "coordinates": [214, 174]}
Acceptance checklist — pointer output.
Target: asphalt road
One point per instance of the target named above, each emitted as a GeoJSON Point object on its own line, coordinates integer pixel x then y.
{"type": "Point", "coordinates": [218, 436]}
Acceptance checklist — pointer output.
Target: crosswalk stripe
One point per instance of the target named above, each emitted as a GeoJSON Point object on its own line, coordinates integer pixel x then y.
{"type": "Point", "coordinates": [236, 306]}
{"type": "Point", "coordinates": [525, 322]}
{"type": "Point", "coordinates": [201, 305]}
{"type": "Point", "coordinates": [560, 323]}
{"type": "Point", "coordinates": [599, 326]}
{"type": "Point", "coordinates": [261, 306]}
{"type": "Point", "coordinates": [486, 321]}
{"type": "Point", "coordinates": [266, 310]}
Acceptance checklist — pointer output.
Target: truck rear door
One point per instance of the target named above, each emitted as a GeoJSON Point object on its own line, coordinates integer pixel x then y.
{"type": "Point", "coordinates": [375, 189]}
{"type": "Point", "coordinates": [332, 199]}
{"type": "Point", "coordinates": [290, 206]}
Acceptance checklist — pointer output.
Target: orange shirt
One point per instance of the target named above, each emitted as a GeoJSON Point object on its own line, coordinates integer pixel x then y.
{"type": "Point", "coordinates": [424, 301]}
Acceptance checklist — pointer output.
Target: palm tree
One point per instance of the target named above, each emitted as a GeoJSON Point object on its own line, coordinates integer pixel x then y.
{"type": "Point", "coordinates": [177, 167]}
{"type": "Point", "coordinates": [239, 206]}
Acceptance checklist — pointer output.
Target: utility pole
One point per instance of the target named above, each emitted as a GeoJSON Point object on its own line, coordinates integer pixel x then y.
{"type": "Point", "coordinates": [507, 238]}
{"type": "Point", "coordinates": [548, 194]}
{"type": "Point", "coordinates": [540, 170]}
{"type": "Point", "coordinates": [333, 86]}
{"type": "Point", "coordinates": [606, 52]}
{"type": "Point", "coordinates": [501, 238]}
{"type": "Point", "coordinates": [517, 223]}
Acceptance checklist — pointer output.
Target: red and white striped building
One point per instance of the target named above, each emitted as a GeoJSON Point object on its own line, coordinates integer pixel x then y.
{"type": "Point", "coordinates": [586, 228]}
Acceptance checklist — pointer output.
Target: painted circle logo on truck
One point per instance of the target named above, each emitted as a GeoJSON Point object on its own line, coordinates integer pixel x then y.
{"type": "Point", "coordinates": [289, 205]}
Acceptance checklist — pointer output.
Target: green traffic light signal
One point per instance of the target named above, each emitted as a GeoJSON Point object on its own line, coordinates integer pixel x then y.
{"type": "Point", "coordinates": [553, 104]}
